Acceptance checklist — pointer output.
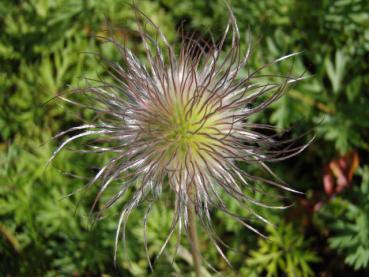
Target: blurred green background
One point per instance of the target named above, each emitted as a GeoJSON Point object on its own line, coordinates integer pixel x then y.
{"type": "Point", "coordinates": [42, 53]}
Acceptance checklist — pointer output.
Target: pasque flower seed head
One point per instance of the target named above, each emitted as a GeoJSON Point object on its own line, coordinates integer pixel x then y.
{"type": "Point", "coordinates": [179, 121]}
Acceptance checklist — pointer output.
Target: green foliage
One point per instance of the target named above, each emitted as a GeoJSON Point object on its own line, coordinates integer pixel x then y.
{"type": "Point", "coordinates": [286, 250]}
{"type": "Point", "coordinates": [350, 226]}
{"type": "Point", "coordinates": [44, 48]}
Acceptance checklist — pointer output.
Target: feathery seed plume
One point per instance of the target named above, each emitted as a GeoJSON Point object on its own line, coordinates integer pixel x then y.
{"type": "Point", "coordinates": [180, 123]}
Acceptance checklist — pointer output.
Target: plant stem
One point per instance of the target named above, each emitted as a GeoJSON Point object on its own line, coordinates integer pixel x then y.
{"type": "Point", "coordinates": [194, 239]}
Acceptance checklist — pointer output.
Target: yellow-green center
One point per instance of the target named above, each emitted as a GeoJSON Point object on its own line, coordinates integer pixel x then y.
{"type": "Point", "coordinates": [183, 130]}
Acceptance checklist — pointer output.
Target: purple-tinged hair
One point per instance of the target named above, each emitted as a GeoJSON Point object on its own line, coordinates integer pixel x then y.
{"type": "Point", "coordinates": [179, 122]}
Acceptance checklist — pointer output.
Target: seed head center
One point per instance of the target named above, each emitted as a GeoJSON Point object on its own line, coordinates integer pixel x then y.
{"type": "Point", "coordinates": [184, 127]}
